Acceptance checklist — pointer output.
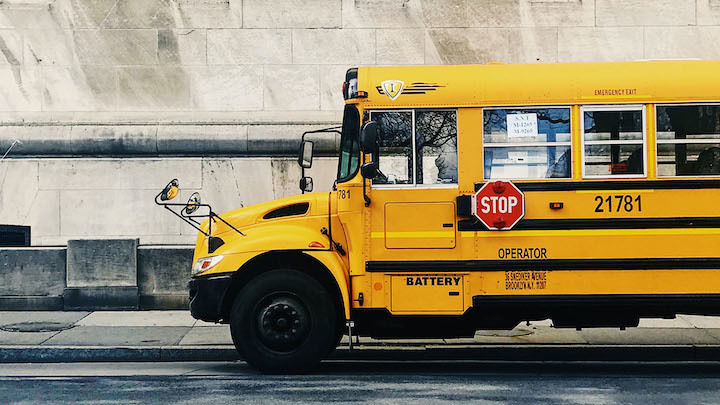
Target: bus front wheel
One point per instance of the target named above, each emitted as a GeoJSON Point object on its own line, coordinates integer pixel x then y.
{"type": "Point", "coordinates": [283, 321]}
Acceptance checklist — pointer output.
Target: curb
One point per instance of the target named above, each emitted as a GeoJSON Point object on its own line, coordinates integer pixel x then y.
{"type": "Point", "coordinates": [546, 353]}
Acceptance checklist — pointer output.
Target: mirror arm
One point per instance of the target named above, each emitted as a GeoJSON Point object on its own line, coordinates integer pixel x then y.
{"type": "Point", "coordinates": [166, 206]}
{"type": "Point", "coordinates": [212, 214]}
{"type": "Point", "coordinates": [365, 196]}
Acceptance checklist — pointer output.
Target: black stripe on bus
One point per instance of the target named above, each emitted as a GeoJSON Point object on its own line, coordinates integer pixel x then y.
{"type": "Point", "coordinates": [613, 185]}
{"type": "Point", "coordinates": [600, 223]}
{"type": "Point", "coordinates": [404, 266]}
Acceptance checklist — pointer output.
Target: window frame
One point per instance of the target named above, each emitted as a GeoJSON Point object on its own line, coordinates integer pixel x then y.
{"type": "Point", "coordinates": [356, 140]}
{"type": "Point", "coordinates": [414, 184]}
{"type": "Point", "coordinates": [530, 144]}
{"type": "Point", "coordinates": [680, 141]}
{"type": "Point", "coordinates": [643, 142]}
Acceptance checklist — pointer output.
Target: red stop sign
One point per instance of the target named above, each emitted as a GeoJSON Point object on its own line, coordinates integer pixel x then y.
{"type": "Point", "coordinates": [499, 205]}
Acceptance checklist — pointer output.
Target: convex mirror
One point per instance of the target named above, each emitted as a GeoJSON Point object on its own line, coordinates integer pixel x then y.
{"type": "Point", "coordinates": [306, 154]}
{"type": "Point", "coordinates": [170, 191]}
{"type": "Point", "coordinates": [306, 184]}
{"type": "Point", "coordinates": [193, 203]}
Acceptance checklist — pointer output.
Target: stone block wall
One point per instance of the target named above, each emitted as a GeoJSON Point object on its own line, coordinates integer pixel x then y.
{"type": "Point", "coordinates": [95, 274]}
{"type": "Point", "coordinates": [110, 99]}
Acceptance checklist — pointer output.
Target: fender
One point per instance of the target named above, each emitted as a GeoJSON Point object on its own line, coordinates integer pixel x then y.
{"type": "Point", "coordinates": [333, 262]}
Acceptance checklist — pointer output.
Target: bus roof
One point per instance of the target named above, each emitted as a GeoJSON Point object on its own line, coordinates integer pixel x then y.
{"type": "Point", "coordinates": [493, 84]}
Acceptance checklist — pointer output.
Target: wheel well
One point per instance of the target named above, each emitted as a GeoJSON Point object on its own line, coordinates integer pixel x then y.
{"type": "Point", "coordinates": [296, 260]}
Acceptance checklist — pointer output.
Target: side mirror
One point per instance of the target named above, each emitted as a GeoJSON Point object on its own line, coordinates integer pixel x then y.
{"type": "Point", "coordinates": [306, 154]}
{"type": "Point", "coordinates": [369, 170]}
{"type": "Point", "coordinates": [306, 184]}
{"type": "Point", "coordinates": [193, 203]}
{"type": "Point", "coordinates": [170, 191]}
{"type": "Point", "coordinates": [368, 137]}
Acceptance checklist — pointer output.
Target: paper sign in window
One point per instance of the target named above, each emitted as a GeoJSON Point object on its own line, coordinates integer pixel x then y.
{"type": "Point", "coordinates": [522, 125]}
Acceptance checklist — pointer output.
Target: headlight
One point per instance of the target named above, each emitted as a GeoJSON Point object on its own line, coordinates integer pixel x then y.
{"type": "Point", "coordinates": [205, 263]}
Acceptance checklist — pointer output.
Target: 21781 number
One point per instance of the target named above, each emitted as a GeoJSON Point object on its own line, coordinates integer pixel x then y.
{"type": "Point", "coordinates": [618, 203]}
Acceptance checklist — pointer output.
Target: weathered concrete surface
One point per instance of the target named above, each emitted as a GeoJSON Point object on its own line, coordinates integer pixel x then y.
{"type": "Point", "coordinates": [99, 263]}
{"type": "Point", "coordinates": [32, 278]}
{"type": "Point", "coordinates": [119, 336]}
{"type": "Point", "coordinates": [205, 56]}
{"type": "Point", "coordinates": [100, 298]}
{"type": "Point", "coordinates": [163, 274]}
{"type": "Point", "coordinates": [138, 318]}
{"type": "Point", "coordinates": [65, 198]}
{"type": "Point", "coordinates": [101, 274]}
{"type": "Point", "coordinates": [90, 140]}
{"type": "Point", "coordinates": [32, 271]}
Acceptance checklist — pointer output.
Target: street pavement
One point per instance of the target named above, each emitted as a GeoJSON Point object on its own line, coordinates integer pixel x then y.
{"type": "Point", "coordinates": [363, 382]}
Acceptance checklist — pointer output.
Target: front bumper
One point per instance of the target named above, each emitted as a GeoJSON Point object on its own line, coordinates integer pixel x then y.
{"type": "Point", "coordinates": [207, 295]}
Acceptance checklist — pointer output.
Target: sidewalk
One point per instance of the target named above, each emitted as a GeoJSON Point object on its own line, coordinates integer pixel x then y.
{"type": "Point", "coordinates": [176, 336]}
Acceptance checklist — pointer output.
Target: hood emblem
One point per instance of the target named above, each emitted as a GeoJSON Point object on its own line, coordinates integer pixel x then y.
{"type": "Point", "coordinates": [393, 88]}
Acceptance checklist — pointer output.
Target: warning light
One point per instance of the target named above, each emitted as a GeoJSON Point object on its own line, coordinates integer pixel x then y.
{"type": "Point", "coordinates": [316, 244]}
{"type": "Point", "coordinates": [556, 205]}
{"type": "Point", "coordinates": [499, 187]}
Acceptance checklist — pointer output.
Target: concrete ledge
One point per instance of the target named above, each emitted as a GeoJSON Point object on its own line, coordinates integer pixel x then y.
{"type": "Point", "coordinates": [518, 353]}
{"type": "Point", "coordinates": [31, 303]}
{"type": "Point", "coordinates": [160, 139]}
{"type": "Point", "coordinates": [164, 301]}
{"type": "Point", "coordinates": [92, 298]}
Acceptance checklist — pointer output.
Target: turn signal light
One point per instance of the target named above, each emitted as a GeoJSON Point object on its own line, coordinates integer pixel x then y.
{"type": "Point", "coordinates": [316, 244]}
{"type": "Point", "coordinates": [556, 205]}
{"type": "Point", "coordinates": [205, 263]}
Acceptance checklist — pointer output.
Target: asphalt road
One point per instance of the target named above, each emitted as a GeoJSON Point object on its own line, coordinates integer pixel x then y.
{"type": "Point", "coordinates": [358, 382]}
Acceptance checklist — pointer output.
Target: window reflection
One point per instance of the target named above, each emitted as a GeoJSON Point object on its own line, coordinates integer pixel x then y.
{"type": "Point", "coordinates": [395, 141]}
{"type": "Point", "coordinates": [613, 142]}
{"type": "Point", "coordinates": [528, 143]}
{"type": "Point", "coordinates": [436, 145]}
{"type": "Point", "coordinates": [688, 140]}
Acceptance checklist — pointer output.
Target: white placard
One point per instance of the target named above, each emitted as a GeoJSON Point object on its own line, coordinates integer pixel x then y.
{"type": "Point", "coordinates": [522, 125]}
{"type": "Point", "coordinates": [517, 157]}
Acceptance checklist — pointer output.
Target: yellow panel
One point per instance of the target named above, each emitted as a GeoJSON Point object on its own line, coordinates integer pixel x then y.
{"type": "Point", "coordinates": [419, 225]}
{"type": "Point", "coordinates": [543, 84]}
{"type": "Point", "coordinates": [427, 293]}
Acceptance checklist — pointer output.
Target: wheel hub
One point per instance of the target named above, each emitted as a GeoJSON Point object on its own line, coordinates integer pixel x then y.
{"type": "Point", "coordinates": [283, 322]}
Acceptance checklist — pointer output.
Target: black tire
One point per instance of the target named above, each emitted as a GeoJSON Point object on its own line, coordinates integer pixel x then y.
{"type": "Point", "coordinates": [283, 321]}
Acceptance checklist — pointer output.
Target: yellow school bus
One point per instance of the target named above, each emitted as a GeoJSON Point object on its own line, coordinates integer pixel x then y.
{"type": "Point", "coordinates": [615, 167]}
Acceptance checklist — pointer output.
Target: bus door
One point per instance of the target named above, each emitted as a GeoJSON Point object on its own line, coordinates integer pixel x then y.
{"type": "Point", "coordinates": [414, 194]}
{"type": "Point", "coordinates": [412, 214]}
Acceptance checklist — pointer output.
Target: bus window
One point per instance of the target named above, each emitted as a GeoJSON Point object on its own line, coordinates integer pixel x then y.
{"type": "Point", "coordinates": [432, 151]}
{"type": "Point", "coordinates": [526, 143]}
{"type": "Point", "coordinates": [395, 130]}
{"type": "Point", "coordinates": [613, 141]}
{"type": "Point", "coordinates": [436, 146]}
{"type": "Point", "coordinates": [688, 140]}
{"type": "Point", "coordinates": [349, 148]}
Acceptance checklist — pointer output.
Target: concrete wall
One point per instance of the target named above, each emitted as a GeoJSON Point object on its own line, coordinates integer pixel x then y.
{"type": "Point", "coordinates": [32, 278]}
{"type": "Point", "coordinates": [113, 98]}
{"type": "Point", "coordinates": [95, 274]}
{"type": "Point", "coordinates": [71, 198]}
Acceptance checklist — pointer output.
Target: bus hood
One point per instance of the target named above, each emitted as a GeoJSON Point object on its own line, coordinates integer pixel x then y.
{"type": "Point", "coordinates": [310, 204]}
